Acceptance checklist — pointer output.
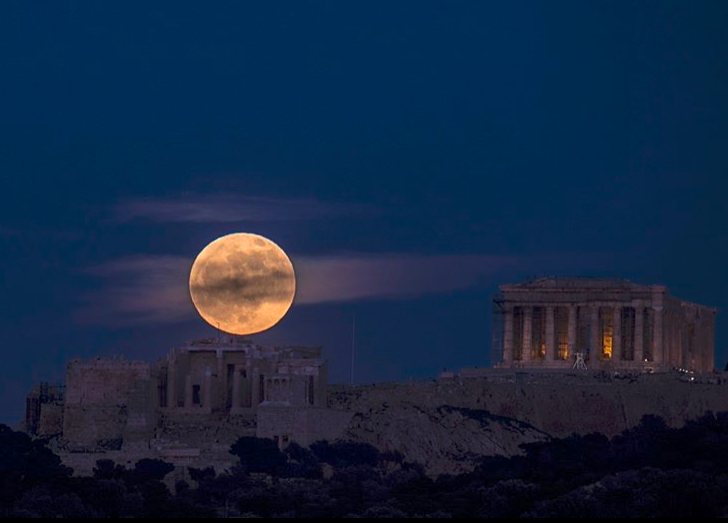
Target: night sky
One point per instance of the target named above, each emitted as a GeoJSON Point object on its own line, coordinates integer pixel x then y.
{"type": "Point", "coordinates": [408, 156]}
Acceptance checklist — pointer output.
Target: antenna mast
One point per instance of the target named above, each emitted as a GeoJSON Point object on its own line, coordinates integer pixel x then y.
{"type": "Point", "coordinates": [353, 344]}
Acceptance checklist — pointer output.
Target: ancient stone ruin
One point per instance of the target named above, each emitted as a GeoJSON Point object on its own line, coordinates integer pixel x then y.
{"type": "Point", "coordinates": [608, 324]}
{"type": "Point", "coordinates": [644, 352]}
{"type": "Point", "coordinates": [198, 399]}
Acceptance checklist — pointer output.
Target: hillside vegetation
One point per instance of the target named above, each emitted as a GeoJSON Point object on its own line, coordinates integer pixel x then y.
{"type": "Point", "coordinates": [650, 470]}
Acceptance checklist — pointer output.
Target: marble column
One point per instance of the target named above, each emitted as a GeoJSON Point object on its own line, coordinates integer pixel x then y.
{"type": "Point", "coordinates": [258, 384]}
{"type": "Point", "coordinates": [572, 333]}
{"type": "Point", "coordinates": [508, 336]}
{"type": "Point", "coordinates": [236, 388]}
{"type": "Point", "coordinates": [550, 335]}
{"type": "Point", "coordinates": [171, 382]}
{"type": "Point", "coordinates": [639, 335]}
{"type": "Point", "coordinates": [527, 322]}
{"type": "Point", "coordinates": [595, 349]}
{"type": "Point", "coordinates": [188, 391]}
{"type": "Point", "coordinates": [219, 358]}
{"type": "Point", "coordinates": [657, 337]}
{"type": "Point", "coordinates": [206, 400]}
{"type": "Point", "coordinates": [219, 383]}
{"type": "Point", "coordinates": [617, 334]}
{"type": "Point", "coordinates": [658, 350]}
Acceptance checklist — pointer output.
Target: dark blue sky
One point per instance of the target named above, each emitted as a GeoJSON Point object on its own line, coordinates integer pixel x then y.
{"type": "Point", "coordinates": [409, 156]}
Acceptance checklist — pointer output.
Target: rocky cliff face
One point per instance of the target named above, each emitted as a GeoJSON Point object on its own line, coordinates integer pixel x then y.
{"type": "Point", "coordinates": [443, 439]}
{"type": "Point", "coordinates": [445, 424]}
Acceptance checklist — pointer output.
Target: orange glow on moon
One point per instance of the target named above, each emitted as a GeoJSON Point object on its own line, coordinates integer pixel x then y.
{"type": "Point", "coordinates": [242, 283]}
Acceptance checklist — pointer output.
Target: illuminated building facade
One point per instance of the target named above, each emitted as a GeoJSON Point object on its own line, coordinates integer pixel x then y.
{"type": "Point", "coordinates": [614, 324]}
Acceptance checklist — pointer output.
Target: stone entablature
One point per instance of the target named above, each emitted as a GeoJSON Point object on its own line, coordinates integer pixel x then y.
{"type": "Point", "coordinates": [613, 323]}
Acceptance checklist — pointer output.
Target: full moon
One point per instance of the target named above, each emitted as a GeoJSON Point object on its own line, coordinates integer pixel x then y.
{"type": "Point", "coordinates": [242, 283]}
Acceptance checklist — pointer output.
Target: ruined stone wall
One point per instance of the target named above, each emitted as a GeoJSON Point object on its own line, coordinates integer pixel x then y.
{"type": "Point", "coordinates": [209, 377]}
{"type": "Point", "coordinates": [688, 335]}
{"type": "Point", "coordinates": [298, 382]}
{"type": "Point", "coordinates": [182, 408]}
{"type": "Point", "coordinates": [202, 366]}
{"type": "Point", "coordinates": [51, 420]}
{"type": "Point", "coordinates": [42, 406]}
{"type": "Point", "coordinates": [322, 386]}
{"type": "Point", "coordinates": [303, 426]}
{"type": "Point", "coordinates": [108, 400]}
{"type": "Point", "coordinates": [699, 343]}
{"type": "Point", "coordinates": [673, 332]}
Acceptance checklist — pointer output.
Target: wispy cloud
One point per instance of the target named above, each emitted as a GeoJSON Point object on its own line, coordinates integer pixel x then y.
{"type": "Point", "coordinates": [139, 290]}
{"type": "Point", "coordinates": [228, 208]}
{"type": "Point", "coordinates": [354, 277]}
{"type": "Point", "coordinates": [154, 289]}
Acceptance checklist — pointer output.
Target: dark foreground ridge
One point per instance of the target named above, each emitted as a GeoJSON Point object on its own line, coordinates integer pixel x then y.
{"type": "Point", "coordinates": [651, 470]}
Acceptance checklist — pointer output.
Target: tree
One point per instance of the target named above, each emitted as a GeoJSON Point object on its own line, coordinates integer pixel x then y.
{"type": "Point", "coordinates": [258, 455]}
{"type": "Point", "coordinates": [346, 453]}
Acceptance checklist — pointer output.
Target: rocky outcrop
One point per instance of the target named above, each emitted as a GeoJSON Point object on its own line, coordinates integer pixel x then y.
{"type": "Point", "coordinates": [443, 423]}
{"type": "Point", "coordinates": [443, 439]}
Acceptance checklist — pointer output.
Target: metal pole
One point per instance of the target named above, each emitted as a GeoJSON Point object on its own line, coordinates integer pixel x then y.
{"type": "Point", "coordinates": [353, 344]}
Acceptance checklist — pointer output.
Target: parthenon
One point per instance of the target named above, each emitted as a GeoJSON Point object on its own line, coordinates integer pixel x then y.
{"type": "Point", "coordinates": [611, 323]}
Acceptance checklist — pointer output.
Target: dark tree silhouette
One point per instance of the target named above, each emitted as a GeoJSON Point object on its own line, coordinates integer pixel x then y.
{"type": "Point", "coordinates": [258, 455]}
{"type": "Point", "coordinates": [345, 453]}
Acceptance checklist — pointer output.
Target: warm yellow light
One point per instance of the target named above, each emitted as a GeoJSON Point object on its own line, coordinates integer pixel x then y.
{"type": "Point", "coordinates": [563, 351]}
{"type": "Point", "coordinates": [607, 344]}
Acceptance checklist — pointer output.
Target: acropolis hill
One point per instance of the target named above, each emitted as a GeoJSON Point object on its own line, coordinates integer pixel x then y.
{"type": "Point", "coordinates": [189, 407]}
